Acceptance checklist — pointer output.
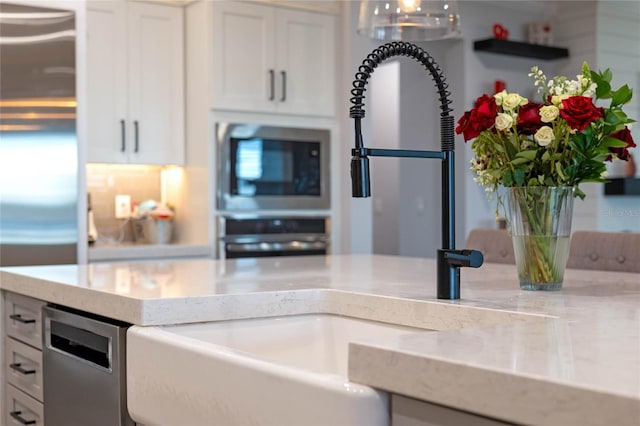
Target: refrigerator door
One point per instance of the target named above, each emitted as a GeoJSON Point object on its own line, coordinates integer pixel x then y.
{"type": "Point", "coordinates": [38, 144]}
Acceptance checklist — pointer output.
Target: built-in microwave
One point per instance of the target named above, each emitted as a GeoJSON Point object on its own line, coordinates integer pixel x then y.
{"type": "Point", "coordinates": [272, 168]}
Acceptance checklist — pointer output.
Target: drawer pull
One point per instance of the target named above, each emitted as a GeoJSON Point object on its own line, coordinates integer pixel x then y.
{"type": "Point", "coordinates": [18, 367]}
{"type": "Point", "coordinates": [16, 415]}
{"type": "Point", "coordinates": [18, 317]}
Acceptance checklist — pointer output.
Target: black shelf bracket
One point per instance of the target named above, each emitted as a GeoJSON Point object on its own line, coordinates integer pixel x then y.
{"type": "Point", "coordinates": [517, 48]}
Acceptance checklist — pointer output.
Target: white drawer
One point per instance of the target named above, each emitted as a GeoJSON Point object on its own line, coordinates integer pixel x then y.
{"type": "Point", "coordinates": [22, 409]}
{"type": "Point", "coordinates": [23, 318]}
{"type": "Point", "coordinates": [23, 367]}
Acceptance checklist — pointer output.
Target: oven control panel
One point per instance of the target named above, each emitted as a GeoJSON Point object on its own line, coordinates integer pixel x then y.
{"type": "Point", "coordinates": [273, 236]}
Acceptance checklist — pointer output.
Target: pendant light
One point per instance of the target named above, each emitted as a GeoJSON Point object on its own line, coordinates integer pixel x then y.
{"type": "Point", "coordinates": [409, 20]}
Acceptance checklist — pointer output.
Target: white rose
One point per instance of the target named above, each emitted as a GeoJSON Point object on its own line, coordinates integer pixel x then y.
{"type": "Point", "coordinates": [500, 96]}
{"type": "Point", "coordinates": [557, 100]}
{"type": "Point", "coordinates": [548, 113]}
{"type": "Point", "coordinates": [513, 100]}
{"type": "Point", "coordinates": [503, 121]}
{"type": "Point", "coordinates": [544, 136]}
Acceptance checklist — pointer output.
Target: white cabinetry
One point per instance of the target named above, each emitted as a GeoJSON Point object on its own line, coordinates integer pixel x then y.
{"type": "Point", "coordinates": [22, 317]}
{"type": "Point", "coordinates": [135, 82]}
{"type": "Point", "coordinates": [272, 59]}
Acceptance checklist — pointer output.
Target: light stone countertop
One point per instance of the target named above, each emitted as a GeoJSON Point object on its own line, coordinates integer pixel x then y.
{"type": "Point", "coordinates": [570, 357]}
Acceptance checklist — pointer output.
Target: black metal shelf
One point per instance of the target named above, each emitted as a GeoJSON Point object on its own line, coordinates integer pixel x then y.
{"type": "Point", "coordinates": [517, 48]}
{"type": "Point", "coordinates": [622, 186]}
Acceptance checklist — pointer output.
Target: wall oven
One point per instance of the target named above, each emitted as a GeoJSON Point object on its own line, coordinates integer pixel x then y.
{"type": "Point", "coordinates": [273, 236]}
{"type": "Point", "coordinates": [272, 168]}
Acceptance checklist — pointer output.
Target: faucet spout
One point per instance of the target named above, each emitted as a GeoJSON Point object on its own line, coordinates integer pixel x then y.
{"type": "Point", "coordinates": [449, 260]}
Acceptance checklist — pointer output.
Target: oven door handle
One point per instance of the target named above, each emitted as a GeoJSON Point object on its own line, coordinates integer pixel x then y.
{"type": "Point", "coordinates": [276, 246]}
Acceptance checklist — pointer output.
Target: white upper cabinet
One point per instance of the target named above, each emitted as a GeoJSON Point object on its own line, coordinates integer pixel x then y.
{"type": "Point", "coordinates": [135, 83]}
{"type": "Point", "coordinates": [272, 59]}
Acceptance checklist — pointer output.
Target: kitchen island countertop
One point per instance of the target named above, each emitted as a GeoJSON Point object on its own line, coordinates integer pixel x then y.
{"type": "Point", "coordinates": [562, 358]}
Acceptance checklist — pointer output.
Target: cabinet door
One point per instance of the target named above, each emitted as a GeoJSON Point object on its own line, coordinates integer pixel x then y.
{"type": "Point", "coordinates": [156, 83]}
{"type": "Point", "coordinates": [244, 72]}
{"type": "Point", "coordinates": [306, 63]}
{"type": "Point", "coordinates": [107, 82]}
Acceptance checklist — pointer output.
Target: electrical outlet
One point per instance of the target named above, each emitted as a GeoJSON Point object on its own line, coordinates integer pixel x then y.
{"type": "Point", "coordinates": [123, 206]}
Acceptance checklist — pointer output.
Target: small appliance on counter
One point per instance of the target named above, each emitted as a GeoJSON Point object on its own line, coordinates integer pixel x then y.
{"type": "Point", "coordinates": [153, 223]}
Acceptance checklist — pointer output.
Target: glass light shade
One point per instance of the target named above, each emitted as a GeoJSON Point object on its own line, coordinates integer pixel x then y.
{"type": "Point", "coordinates": [409, 20]}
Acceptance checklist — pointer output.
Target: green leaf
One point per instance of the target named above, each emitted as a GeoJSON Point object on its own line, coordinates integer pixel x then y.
{"type": "Point", "coordinates": [621, 96]}
{"type": "Point", "coordinates": [603, 91]}
{"type": "Point", "coordinates": [560, 172]}
{"type": "Point", "coordinates": [615, 117]}
{"type": "Point", "coordinates": [519, 176]}
{"type": "Point", "coordinates": [518, 161]}
{"type": "Point", "coordinates": [579, 193]}
{"type": "Point", "coordinates": [609, 142]}
{"type": "Point", "coordinates": [527, 155]}
{"type": "Point", "coordinates": [507, 180]}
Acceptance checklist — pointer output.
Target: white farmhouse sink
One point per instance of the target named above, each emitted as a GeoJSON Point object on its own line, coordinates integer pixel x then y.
{"type": "Point", "coordinates": [269, 371]}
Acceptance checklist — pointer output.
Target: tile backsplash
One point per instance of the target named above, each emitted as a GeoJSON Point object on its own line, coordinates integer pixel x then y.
{"type": "Point", "coordinates": [105, 181]}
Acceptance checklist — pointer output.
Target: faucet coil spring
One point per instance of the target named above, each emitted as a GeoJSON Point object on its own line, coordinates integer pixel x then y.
{"type": "Point", "coordinates": [396, 48]}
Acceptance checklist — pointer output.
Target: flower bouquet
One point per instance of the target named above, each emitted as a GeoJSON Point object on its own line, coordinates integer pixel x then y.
{"type": "Point", "coordinates": [540, 152]}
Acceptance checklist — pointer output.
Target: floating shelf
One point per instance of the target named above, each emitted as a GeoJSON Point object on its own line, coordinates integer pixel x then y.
{"type": "Point", "coordinates": [622, 186]}
{"type": "Point", "coordinates": [516, 48]}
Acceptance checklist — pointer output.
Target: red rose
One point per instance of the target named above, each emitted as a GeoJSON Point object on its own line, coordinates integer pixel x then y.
{"type": "Point", "coordinates": [622, 153]}
{"type": "Point", "coordinates": [579, 112]}
{"type": "Point", "coordinates": [479, 119]}
{"type": "Point", "coordinates": [465, 127]}
{"type": "Point", "coordinates": [529, 118]}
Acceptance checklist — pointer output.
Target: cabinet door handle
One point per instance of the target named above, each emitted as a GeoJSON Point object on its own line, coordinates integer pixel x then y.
{"type": "Point", "coordinates": [17, 415]}
{"type": "Point", "coordinates": [284, 86]}
{"type": "Point", "coordinates": [123, 144]}
{"type": "Point", "coordinates": [272, 85]}
{"type": "Point", "coordinates": [18, 367]}
{"type": "Point", "coordinates": [18, 317]}
{"type": "Point", "coordinates": [136, 145]}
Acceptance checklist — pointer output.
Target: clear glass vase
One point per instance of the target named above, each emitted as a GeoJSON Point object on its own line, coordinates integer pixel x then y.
{"type": "Point", "coordinates": [540, 222]}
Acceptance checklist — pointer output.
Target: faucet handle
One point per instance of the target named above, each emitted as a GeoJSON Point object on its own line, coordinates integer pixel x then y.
{"type": "Point", "coordinates": [464, 258]}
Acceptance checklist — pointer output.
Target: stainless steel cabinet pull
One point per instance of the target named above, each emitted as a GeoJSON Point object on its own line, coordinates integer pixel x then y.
{"type": "Point", "coordinates": [18, 317]}
{"type": "Point", "coordinates": [18, 367]}
{"type": "Point", "coordinates": [284, 86]}
{"type": "Point", "coordinates": [137, 142]}
{"type": "Point", "coordinates": [123, 144]}
{"type": "Point", "coordinates": [16, 415]}
{"type": "Point", "coordinates": [272, 83]}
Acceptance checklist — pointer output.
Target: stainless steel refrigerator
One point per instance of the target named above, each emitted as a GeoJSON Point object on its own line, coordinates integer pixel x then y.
{"type": "Point", "coordinates": [38, 144]}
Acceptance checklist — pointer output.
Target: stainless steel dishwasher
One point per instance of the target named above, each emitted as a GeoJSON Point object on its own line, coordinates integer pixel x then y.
{"type": "Point", "coordinates": [84, 377]}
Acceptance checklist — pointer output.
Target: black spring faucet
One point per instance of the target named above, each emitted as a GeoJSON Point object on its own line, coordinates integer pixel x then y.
{"type": "Point", "coordinates": [449, 260]}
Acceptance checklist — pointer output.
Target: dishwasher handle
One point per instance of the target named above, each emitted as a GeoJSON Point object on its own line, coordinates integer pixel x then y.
{"type": "Point", "coordinates": [80, 343]}
{"type": "Point", "coordinates": [79, 337]}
